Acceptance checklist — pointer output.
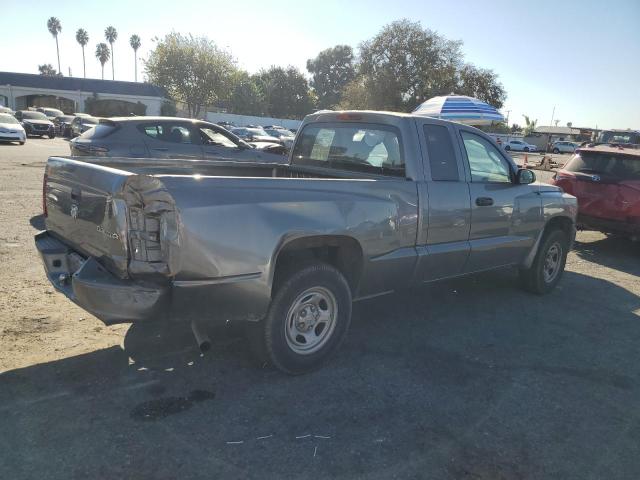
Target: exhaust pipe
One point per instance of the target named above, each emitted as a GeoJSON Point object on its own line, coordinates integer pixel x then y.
{"type": "Point", "coordinates": [202, 339]}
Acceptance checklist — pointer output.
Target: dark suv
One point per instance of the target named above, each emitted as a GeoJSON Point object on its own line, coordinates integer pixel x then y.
{"type": "Point", "coordinates": [166, 137]}
{"type": "Point", "coordinates": [36, 123]}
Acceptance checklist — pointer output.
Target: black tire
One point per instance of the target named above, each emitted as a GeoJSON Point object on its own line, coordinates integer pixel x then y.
{"type": "Point", "coordinates": [269, 340]}
{"type": "Point", "coordinates": [507, 148]}
{"type": "Point", "coordinates": [536, 278]}
{"type": "Point", "coordinates": [555, 150]}
{"type": "Point", "coordinates": [51, 136]}
{"type": "Point", "coordinates": [526, 149]}
{"type": "Point", "coordinates": [21, 143]}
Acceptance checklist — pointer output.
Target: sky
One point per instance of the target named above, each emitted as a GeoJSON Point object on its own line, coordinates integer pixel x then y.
{"type": "Point", "coordinates": [581, 57]}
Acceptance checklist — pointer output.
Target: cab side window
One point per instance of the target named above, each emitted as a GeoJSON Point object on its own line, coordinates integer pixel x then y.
{"type": "Point", "coordinates": [442, 158]}
{"type": "Point", "coordinates": [485, 162]}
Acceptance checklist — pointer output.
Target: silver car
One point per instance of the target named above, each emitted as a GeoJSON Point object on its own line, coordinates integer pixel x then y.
{"type": "Point", "coordinates": [166, 137]}
{"type": "Point", "coordinates": [564, 147]}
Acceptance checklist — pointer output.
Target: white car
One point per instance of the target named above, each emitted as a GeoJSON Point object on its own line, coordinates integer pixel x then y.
{"type": "Point", "coordinates": [519, 146]}
{"type": "Point", "coordinates": [11, 130]}
{"type": "Point", "coordinates": [564, 147]}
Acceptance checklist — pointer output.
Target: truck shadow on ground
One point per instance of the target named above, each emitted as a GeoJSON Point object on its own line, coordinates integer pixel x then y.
{"type": "Point", "coordinates": [466, 378]}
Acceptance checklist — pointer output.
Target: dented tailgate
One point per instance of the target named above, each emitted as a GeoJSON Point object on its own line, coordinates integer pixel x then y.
{"type": "Point", "coordinates": [83, 211]}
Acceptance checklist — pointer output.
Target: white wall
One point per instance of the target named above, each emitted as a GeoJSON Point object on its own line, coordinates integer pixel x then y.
{"type": "Point", "coordinates": [12, 93]}
{"type": "Point", "coordinates": [242, 120]}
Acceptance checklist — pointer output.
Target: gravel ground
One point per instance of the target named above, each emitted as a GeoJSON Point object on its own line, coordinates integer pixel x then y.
{"type": "Point", "coordinates": [469, 379]}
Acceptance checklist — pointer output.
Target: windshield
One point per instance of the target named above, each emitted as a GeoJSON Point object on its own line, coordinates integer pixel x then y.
{"type": "Point", "coordinates": [52, 112]}
{"type": "Point", "coordinates": [609, 166]}
{"type": "Point", "coordinates": [7, 119]}
{"type": "Point", "coordinates": [34, 116]}
{"type": "Point", "coordinates": [257, 131]}
{"type": "Point", "coordinates": [65, 118]}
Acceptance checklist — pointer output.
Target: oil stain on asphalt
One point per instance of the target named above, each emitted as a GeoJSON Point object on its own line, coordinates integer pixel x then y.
{"type": "Point", "coordinates": [163, 407]}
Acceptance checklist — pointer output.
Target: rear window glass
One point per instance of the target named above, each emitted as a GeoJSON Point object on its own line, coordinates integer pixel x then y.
{"type": "Point", "coordinates": [607, 165]}
{"type": "Point", "coordinates": [99, 131]}
{"type": "Point", "coordinates": [363, 148]}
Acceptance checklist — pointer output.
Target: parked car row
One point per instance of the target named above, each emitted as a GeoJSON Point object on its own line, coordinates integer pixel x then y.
{"type": "Point", "coordinates": [167, 137]}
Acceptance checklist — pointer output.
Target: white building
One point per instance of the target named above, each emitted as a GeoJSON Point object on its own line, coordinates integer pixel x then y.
{"type": "Point", "coordinates": [19, 91]}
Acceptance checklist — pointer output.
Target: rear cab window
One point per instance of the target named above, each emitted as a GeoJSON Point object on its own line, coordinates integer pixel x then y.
{"type": "Point", "coordinates": [353, 147]}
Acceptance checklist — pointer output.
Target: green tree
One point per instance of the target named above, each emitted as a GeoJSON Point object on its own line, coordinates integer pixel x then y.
{"type": "Point", "coordinates": [111, 35]}
{"type": "Point", "coordinates": [82, 37]}
{"type": "Point", "coordinates": [530, 126]}
{"type": "Point", "coordinates": [406, 64]}
{"type": "Point", "coordinates": [482, 84]}
{"type": "Point", "coordinates": [47, 70]}
{"type": "Point", "coordinates": [55, 27]}
{"type": "Point", "coordinates": [409, 64]}
{"type": "Point", "coordinates": [286, 92]}
{"type": "Point", "coordinates": [516, 128]}
{"type": "Point", "coordinates": [192, 69]}
{"type": "Point", "coordinates": [135, 43]}
{"type": "Point", "coordinates": [247, 97]}
{"type": "Point", "coordinates": [102, 54]}
{"type": "Point", "coordinates": [331, 71]}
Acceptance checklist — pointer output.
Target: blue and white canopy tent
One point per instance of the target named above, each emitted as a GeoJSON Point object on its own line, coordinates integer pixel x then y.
{"type": "Point", "coordinates": [459, 108]}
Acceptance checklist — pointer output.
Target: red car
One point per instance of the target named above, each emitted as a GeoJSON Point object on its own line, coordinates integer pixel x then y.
{"type": "Point", "coordinates": [606, 181]}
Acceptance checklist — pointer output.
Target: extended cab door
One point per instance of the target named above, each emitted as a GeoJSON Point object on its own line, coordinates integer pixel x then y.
{"type": "Point", "coordinates": [505, 216]}
{"type": "Point", "coordinates": [443, 237]}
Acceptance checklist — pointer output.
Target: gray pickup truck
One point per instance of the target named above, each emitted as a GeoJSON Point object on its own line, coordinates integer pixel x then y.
{"type": "Point", "coordinates": [370, 203]}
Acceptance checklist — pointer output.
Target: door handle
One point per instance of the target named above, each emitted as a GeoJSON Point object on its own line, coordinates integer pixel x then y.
{"type": "Point", "coordinates": [484, 201]}
{"type": "Point", "coordinates": [163, 149]}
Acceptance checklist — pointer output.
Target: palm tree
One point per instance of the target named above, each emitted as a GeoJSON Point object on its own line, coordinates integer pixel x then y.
{"type": "Point", "coordinates": [82, 37]}
{"type": "Point", "coordinates": [103, 55]}
{"type": "Point", "coordinates": [135, 43]}
{"type": "Point", "coordinates": [111, 35]}
{"type": "Point", "coordinates": [530, 125]}
{"type": "Point", "coordinates": [54, 26]}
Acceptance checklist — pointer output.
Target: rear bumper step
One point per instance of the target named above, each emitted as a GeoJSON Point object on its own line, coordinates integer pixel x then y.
{"type": "Point", "coordinates": [95, 289]}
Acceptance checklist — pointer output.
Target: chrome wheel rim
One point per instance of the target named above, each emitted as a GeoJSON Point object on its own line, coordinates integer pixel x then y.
{"type": "Point", "coordinates": [311, 320]}
{"type": "Point", "coordinates": [552, 262]}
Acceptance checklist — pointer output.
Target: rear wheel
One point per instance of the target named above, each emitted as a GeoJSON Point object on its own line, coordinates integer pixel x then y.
{"type": "Point", "coordinates": [548, 265]}
{"type": "Point", "coordinates": [555, 150]}
{"type": "Point", "coordinates": [52, 135]}
{"type": "Point", "coordinates": [308, 319]}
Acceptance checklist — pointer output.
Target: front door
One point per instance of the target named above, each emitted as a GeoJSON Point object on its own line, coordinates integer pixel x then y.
{"type": "Point", "coordinates": [505, 216]}
{"type": "Point", "coordinates": [443, 239]}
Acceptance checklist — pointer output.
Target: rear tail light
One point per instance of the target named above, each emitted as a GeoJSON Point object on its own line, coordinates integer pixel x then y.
{"type": "Point", "coordinates": [44, 195]}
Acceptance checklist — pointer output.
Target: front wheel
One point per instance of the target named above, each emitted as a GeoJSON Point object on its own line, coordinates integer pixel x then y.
{"type": "Point", "coordinates": [555, 150]}
{"type": "Point", "coordinates": [547, 267]}
{"type": "Point", "coordinates": [507, 148]}
{"type": "Point", "coordinates": [526, 149]}
{"type": "Point", "coordinates": [307, 321]}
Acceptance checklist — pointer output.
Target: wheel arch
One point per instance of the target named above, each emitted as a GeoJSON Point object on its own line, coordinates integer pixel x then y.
{"type": "Point", "coordinates": [559, 222]}
{"type": "Point", "coordinates": [340, 251]}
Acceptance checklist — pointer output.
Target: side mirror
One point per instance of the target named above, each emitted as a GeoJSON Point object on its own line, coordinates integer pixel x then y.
{"type": "Point", "coordinates": [525, 176]}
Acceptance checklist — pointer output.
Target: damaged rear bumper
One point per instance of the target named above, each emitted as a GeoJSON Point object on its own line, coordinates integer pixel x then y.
{"type": "Point", "coordinates": [95, 289]}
